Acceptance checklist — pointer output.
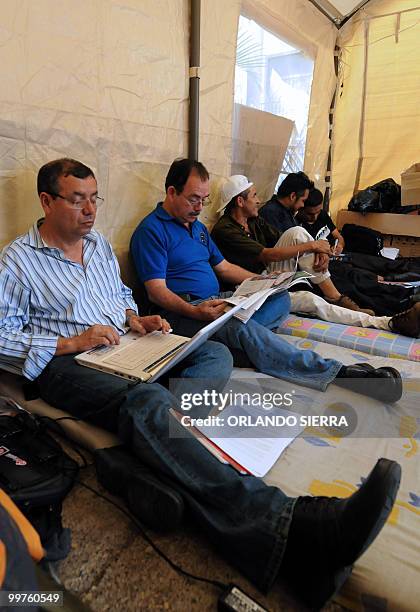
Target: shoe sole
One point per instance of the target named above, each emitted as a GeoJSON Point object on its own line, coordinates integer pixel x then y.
{"type": "Point", "coordinates": [398, 386]}
{"type": "Point", "coordinates": [325, 589]}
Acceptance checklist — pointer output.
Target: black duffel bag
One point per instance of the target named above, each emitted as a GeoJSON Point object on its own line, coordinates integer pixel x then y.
{"type": "Point", "coordinates": [359, 239]}
{"type": "Point", "coordinates": [37, 474]}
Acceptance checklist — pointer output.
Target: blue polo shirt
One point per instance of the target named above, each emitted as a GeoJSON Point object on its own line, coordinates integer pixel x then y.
{"type": "Point", "coordinates": [162, 247]}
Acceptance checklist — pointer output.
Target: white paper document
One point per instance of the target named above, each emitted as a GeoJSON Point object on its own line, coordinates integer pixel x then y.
{"type": "Point", "coordinates": [254, 291]}
{"type": "Point", "coordinates": [257, 454]}
{"type": "Point", "coordinates": [390, 252]}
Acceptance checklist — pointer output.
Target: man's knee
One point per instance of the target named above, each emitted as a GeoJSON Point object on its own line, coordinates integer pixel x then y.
{"type": "Point", "coordinates": [295, 235]}
{"type": "Point", "coordinates": [218, 352]}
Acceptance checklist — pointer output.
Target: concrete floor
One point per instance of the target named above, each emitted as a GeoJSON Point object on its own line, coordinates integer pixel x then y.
{"type": "Point", "coordinates": [111, 567]}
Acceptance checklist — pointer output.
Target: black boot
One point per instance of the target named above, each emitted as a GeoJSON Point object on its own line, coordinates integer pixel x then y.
{"type": "Point", "coordinates": [383, 384]}
{"type": "Point", "coordinates": [151, 498]}
{"type": "Point", "coordinates": [327, 535]}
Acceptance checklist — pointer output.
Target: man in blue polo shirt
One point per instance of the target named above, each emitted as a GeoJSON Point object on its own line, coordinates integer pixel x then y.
{"type": "Point", "coordinates": [181, 267]}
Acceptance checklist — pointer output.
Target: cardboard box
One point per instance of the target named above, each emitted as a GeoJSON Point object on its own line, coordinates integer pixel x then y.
{"type": "Point", "coordinates": [386, 223]}
{"type": "Point", "coordinates": [408, 245]}
{"type": "Point", "coordinates": [410, 185]}
{"type": "Point", "coordinates": [400, 231]}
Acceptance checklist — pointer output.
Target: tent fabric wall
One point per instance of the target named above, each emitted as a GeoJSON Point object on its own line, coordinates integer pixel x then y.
{"type": "Point", "coordinates": [106, 82]}
{"type": "Point", "coordinates": [377, 117]}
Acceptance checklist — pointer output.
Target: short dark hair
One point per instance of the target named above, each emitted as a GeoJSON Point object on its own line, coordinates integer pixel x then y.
{"type": "Point", "coordinates": [180, 171]}
{"type": "Point", "coordinates": [231, 205]}
{"type": "Point", "coordinates": [314, 198]}
{"type": "Point", "coordinates": [49, 174]}
{"type": "Point", "coordinates": [295, 182]}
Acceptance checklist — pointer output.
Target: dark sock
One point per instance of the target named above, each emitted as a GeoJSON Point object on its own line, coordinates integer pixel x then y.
{"type": "Point", "coordinates": [341, 372]}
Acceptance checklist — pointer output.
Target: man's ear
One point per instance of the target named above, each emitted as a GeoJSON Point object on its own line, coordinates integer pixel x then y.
{"type": "Point", "coordinates": [171, 191]}
{"type": "Point", "coordinates": [45, 200]}
{"type": "Point", "coordinates": [292, 197]}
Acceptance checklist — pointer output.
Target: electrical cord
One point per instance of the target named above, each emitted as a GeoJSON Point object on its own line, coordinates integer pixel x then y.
{"type": "Point", "coordinates": [177, 568]}
{"type": "Point", "coordinates": [218, 584]}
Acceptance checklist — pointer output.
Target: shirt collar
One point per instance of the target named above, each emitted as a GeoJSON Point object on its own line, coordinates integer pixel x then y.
{"type": "Point", "coordinates": [163, 214]}
{"type": "Point", "coordinates": [251, 222]}
{"type": "Point", "coordinates": [230, 219]}
{"type": "Point", "coordinates": [34, 239]}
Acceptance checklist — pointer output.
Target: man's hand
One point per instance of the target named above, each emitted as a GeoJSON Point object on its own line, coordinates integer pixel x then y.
{"type": "Point", "coordinates": [145, 325]}
{"type": "Point", "coordinates": [97, 335]}
{"type": "Point", "coordinates": [321, 246]}
{"type": "Point", "coordinates": [338, 249]}
{"type": "Point", "coordinates": [209, 310]}
{"type": "Point", "coordinates": [321, 261]}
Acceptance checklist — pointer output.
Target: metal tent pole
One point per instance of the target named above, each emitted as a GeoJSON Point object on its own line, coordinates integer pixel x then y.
{"type": "Point", "coordinates": [193, 111]}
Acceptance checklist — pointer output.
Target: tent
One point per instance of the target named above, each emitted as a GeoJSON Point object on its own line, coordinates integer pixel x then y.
{"type": "Point", "coordinates": [107, 82]}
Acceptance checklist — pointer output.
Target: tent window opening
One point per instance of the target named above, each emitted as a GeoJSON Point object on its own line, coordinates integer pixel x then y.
{"type": "Point", "coordinates": [273, 76]}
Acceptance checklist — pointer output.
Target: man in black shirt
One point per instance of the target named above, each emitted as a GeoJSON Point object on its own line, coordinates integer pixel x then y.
{"type": "Point", "coordinates": [247, 240]}
{"type": "Point", "coordinates": [318, 222]}
{"type": "Point", "coordinates": [280, 211]}
{"type": "Point", "coordinates": [294, 242]}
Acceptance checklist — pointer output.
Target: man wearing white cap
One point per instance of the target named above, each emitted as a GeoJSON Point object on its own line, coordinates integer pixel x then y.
{"type": "Point", "coordinates": [260, 245]}
{"type": "Point", "coordinates": [246, 239]}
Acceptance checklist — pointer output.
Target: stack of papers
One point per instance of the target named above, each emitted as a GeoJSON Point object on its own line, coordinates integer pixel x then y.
{"type": "Point", "coordinates": [250, 448]}
{"type": "Point", "coordinates": [254, 291]}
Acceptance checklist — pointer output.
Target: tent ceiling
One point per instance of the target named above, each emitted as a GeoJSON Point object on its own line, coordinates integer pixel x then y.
{"type": "Point", "coordinates": [338, 10]}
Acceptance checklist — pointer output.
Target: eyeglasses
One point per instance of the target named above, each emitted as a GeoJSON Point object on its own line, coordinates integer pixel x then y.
{"type": "Point", "coordinates": [195, 201]}
{"type": "Point", "coordinates": [79, 203]}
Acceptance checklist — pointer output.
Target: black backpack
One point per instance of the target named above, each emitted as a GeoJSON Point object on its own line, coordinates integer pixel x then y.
{"type": "Point", "coordinates": [37, 474]}
{"type": "Point", "coordinates": [361, 239]}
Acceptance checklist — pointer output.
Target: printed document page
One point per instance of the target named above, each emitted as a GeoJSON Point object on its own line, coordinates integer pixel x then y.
{"type": "Point", "coordinates": [255, 447]}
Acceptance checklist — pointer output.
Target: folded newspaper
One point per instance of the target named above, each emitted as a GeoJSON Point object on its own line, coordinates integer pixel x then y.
{"type": "Point", "coordinates": [254, 291]}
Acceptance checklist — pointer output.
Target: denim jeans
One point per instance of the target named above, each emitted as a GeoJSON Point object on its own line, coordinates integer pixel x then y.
{"type": "Point", "coordinates": [246, 519]}
{"type": "Point", "coordinates": [267, 351]}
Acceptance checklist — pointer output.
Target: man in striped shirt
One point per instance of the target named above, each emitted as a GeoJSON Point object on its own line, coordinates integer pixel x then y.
{"type": "Point", "coordinates": [61, 294]}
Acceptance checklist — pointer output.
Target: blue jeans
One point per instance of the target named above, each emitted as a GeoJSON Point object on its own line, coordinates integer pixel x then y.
{"type": "Point", "coordinates": [267, 351]}
{"type": "Point", "coordinates": [245, 518]}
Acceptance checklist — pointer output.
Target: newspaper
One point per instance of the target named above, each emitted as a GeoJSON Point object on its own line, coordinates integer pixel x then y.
{"type": "Point", "coordinates": [254, 291]}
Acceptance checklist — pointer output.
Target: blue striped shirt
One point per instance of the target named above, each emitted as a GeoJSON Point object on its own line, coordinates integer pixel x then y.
{"type": "Point", "coordinates": [44, 296]}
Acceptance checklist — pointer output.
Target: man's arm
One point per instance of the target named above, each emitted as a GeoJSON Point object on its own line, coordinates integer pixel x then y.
{"type": "Point", "coordinates": [340, 246]}
{"type": "Point", "coordinates": [231, 273]}
{"type": "Point", "coordinates": [289, 252]}
{"type": "Point", "coordinates": [21, 352]}
{"type": "Point", "coordinates": [159, 294]}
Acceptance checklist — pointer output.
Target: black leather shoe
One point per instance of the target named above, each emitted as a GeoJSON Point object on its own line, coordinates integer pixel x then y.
{"type": "Point", "coordinates": [151, 498]}
{"type": "Point", "coordinates": [383, 384]}
{"type": "Point", "coordinates": [327, 535]}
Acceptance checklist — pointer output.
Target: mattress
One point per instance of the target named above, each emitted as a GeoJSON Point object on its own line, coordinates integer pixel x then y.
{"type": "Point", "coordinates": [387, 576]}
{"type": "Point", "coordinates": [365, 339]}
